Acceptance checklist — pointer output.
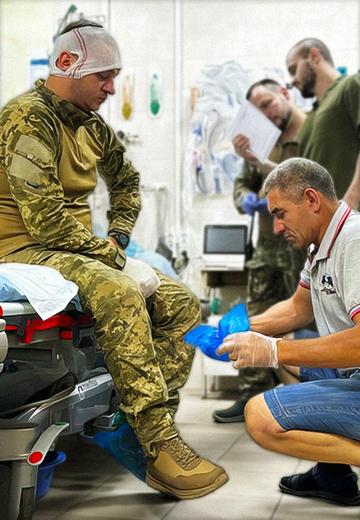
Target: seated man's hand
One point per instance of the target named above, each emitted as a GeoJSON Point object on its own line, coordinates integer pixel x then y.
{"type": "Point", "coordinates": [250, 349]}
{"type": "Point", "coordinates": [242, 147]}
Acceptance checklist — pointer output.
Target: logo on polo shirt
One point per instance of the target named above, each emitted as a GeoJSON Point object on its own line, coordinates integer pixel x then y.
{"type": "Point", "coordinates": [327, 285]}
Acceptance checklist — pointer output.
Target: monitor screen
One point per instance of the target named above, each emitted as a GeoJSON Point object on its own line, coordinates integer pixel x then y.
{"type": "Point", "coordinates": [225, 239]}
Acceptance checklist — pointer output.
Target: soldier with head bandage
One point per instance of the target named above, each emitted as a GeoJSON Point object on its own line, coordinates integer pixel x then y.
{"type": "Point", "coordinates": [53, 146]}
{"type": "Point", "coordinates": [95, 49]}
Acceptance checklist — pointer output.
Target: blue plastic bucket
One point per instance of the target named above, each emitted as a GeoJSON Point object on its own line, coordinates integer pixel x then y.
{"type": "Point", "coordinates": [46, 471]}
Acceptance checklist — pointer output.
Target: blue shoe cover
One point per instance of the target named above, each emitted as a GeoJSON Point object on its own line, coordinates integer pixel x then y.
{"type": "Point", "coordinates": [122, 444]}
{"type": "Point", "coordinates": [236, 320]}
{"type": "Point", "coordinates": [209, 338]}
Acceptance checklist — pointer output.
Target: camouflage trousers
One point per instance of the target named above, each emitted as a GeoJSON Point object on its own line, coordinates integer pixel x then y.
{"type": "Point", "coordinates": [273, 275]}
{"type": "Point", "coordinates": [141, 340]}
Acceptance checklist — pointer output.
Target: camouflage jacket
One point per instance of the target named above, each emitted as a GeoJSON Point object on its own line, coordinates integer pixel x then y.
{"type": "Point", "coordinates": [50, 151]}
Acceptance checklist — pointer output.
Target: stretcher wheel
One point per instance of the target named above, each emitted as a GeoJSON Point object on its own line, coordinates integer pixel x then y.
{"type": "Point", "coordinates": [27, 503]}
{"type": "Point", "coordinates": [5, 476]}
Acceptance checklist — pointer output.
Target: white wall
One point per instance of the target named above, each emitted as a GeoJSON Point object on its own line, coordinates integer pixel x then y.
{"type": "Point", "coordinates": [178, 36]}
{"type": "Point", "coordinates": [26, 29]}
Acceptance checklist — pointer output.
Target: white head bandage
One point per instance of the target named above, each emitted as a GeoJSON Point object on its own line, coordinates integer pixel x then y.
{"type": "Point", "coordinates": [96, 49]}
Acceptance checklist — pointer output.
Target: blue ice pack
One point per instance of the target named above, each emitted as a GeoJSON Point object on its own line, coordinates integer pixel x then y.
{"type": "Point", "coordinates": [209, 338]}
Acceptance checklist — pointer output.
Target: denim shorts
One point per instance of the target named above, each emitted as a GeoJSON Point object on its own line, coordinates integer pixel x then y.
{"type": "Point", "coordinates": [325, 401]}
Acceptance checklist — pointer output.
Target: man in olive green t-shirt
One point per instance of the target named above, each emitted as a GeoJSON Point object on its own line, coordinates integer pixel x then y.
{"type": "Point", "coordinates": [331, 135]}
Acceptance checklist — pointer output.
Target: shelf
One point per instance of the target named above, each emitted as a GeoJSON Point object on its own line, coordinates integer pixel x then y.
{"type": "Point", "coordinates": [221, 278]}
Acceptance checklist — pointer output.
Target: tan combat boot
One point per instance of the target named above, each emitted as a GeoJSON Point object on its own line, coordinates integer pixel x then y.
{"type": "Point", "coordinates": [178, 471]}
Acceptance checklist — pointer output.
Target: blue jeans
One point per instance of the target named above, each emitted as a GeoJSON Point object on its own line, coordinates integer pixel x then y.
{"type": "Point", "coordinates": [327, 401]}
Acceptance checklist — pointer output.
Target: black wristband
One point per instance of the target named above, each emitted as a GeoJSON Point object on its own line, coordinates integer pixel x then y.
{"type": "Point", "coordinates": [121, 238]}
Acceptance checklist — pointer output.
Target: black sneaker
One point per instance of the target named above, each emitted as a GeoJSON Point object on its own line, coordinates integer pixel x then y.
{"type": "Point", "coordinates": [310, 485]}
{"type": "Point", "coordinates": [233, 414]}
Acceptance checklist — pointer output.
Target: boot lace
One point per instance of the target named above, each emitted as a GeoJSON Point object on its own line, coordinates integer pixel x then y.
{"type": "Point", "coordinates": [182, 454]}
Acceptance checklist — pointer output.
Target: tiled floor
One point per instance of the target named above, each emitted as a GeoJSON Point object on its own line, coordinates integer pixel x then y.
{"type": "Point", "coordinates": [91, 485]}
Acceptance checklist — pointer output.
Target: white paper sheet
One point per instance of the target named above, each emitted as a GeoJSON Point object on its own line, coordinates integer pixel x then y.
{"type": "Point", "coordinates": [260, 131]}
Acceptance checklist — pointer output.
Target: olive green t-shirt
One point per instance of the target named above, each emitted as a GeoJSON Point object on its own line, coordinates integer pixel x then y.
{"type": "Point", "coordinates": [331, 134]}
{"type": "Point", "coordinates": [306, 129]}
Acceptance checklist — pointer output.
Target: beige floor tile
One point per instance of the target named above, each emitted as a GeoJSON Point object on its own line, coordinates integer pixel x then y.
{"type": "Point", "coordinates": [229, 508]}
{"type": "Point", "coordinates": [295, 508]}
{"type": "Point", "coordinates": [92, 485]}
{"type": "Point", "coordinates": [111, 504]}
{"type": "Point", "coordinates": [197, 410]}
{"type": "Point", "coordinates": [211, 439]}
{"type": "Point", "coordinates": [254, 482]}
{"type": "Point", "coordinates": [40, 516]}
{"type": "Point", "coordinates": [248, 454]}
{"type": "Point", "coordinates": [71, 484]}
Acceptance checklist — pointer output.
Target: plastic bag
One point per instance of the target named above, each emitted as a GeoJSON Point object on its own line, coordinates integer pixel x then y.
{"type": "Point", "coordinates": [209, 338]}
{"type": "Point", "coordinates": [143, 274]}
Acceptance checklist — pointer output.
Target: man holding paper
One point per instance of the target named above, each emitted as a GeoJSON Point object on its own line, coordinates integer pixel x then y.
{"type": "Point", "coordinates": [267, 124]}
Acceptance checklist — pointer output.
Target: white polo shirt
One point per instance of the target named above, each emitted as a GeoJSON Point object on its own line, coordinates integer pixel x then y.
{"type": "Point", "coordinates": [333, 273]}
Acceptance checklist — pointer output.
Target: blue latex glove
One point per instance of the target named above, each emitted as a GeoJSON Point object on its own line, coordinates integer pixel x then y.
{"type": "Point", "coordinates": [249, 203]}
{"type": "Point", "coordinates": [261, 206]}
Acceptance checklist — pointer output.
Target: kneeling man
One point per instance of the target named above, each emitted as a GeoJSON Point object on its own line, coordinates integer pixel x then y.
{"type": "Point", "coordinates": [319, 420]}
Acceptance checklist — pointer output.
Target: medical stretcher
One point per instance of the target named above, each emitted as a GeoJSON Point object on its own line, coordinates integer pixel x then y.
{"type": "Point", "coordinates": [52, 382]}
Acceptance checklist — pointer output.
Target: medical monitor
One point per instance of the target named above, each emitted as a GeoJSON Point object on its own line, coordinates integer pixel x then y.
{"type": "Point", "coordinates": [225, 246]}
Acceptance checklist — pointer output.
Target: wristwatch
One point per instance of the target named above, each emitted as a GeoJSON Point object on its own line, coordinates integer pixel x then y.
{"type": "Point", "coordinates": [121, 238]}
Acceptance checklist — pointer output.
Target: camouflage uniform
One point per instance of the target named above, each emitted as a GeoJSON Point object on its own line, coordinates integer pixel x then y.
{"type": "Point", "coordinates": [273, 271]}
{"type": "Point", "coordinates": [50, 152]}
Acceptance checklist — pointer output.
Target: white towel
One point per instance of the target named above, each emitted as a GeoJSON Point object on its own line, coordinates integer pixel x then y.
{"type": "Point", "coordinates": [45, 288]}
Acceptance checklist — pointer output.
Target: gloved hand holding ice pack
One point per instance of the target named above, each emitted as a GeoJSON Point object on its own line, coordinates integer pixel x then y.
{"type": "Point", "coordinates": [208, 338]}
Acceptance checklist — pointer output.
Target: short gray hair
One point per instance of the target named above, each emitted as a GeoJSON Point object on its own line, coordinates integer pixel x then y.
{"type": "Point", "coordinates": [294, 176]}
